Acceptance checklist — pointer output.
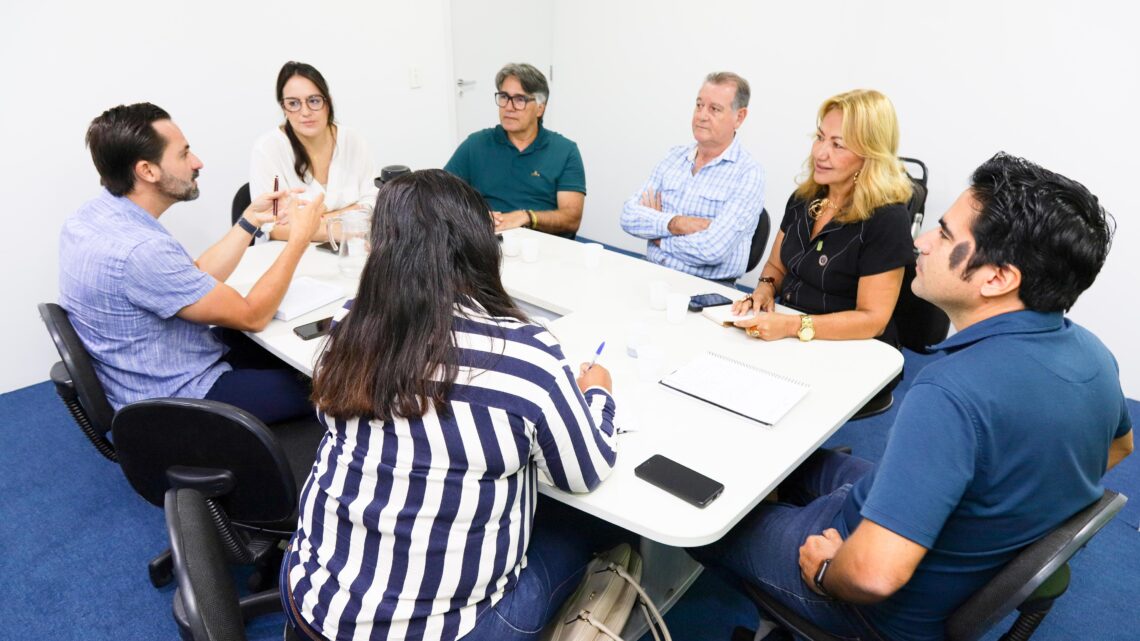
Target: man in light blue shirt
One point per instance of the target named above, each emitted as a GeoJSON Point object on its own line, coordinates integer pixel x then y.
{"type": "Point", "coordinates": [701, 204]}
{"type": "Point", "coordinates": [142, 307]}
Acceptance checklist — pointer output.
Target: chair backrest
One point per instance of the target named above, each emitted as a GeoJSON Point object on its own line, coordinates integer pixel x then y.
{"type": "Point", "coordinates": [80, 366]}
{"type": "Point", "coordinates": [1029, 569]}
{"type": "Point", "coordinates": [759, 240]}
{"type": "Point", "coordinates": [242, 199]}
{"type": "Point", "coordinates": [197, 437]}
{"type": "Point", "coordinates": [206, 593]}
{"type": "Point", "coordinates": [919, 322]}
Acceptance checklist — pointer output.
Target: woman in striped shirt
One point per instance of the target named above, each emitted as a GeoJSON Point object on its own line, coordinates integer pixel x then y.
{"type": "Point", "coordinates": [442, 403]}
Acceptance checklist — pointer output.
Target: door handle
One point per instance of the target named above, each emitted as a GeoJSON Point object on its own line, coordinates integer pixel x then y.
{"type": "Point", "coordinates": [464, 83]}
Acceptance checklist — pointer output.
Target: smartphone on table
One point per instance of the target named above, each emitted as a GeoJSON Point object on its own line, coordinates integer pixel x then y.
{"type": "Point", "coordinates": [312, 330]}
{"type": "Point", "coordinates": [701, 301]}
{"type": "Point", "coordinates": [684, 483]}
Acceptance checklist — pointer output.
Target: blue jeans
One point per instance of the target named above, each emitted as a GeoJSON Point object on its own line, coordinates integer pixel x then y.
{"type": "Point", "coordinates": [564, 541]}
{"type": "Point", "coordinates": [562, 544]}
{"type": "Point", "coordinates": [763, 549]}
{"type": "Point", "coordinates": [259, 383]}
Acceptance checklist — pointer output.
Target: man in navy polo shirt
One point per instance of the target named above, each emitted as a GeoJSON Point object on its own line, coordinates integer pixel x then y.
{"type": "Point", "coordinates": [529, 176]}
{"type": "Point", "coordinates": [995, 444]}
{"type": "Point", "coordinates": [143, 308]}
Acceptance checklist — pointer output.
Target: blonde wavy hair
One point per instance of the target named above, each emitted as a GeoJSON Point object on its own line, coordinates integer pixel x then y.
{"type": "Point", "coordinates": [871, 130]}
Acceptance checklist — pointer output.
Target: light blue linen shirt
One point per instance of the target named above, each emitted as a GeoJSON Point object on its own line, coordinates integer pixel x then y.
{"type": "Point", "coordinates": [122, 279]}
{"type": "Point", "coordinates": [729, 191]}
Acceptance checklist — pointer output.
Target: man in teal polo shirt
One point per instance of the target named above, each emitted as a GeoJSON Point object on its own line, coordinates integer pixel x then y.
{"type": "Point", "coordinates": [530, 176]}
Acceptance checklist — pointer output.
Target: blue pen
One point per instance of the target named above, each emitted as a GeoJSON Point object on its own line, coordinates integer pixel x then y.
{"type": "Point", "coordinates": [596, 355]}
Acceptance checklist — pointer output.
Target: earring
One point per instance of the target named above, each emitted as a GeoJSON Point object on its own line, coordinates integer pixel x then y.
{"type": "Point", "coordinates": [855, 180]}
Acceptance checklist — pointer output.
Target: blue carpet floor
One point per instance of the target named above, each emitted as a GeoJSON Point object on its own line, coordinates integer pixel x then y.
{"type": "Point", "coordinates": [75, 540]}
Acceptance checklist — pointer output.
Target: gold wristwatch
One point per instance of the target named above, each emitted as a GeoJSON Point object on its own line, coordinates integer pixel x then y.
{"type": "Point", "coordinates": [807, 328]}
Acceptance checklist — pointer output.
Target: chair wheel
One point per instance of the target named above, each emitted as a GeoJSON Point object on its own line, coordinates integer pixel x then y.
{"type": "Point", "coordinates": [161, 570]}
{"type": "Point", "coordinates": [160, 578]}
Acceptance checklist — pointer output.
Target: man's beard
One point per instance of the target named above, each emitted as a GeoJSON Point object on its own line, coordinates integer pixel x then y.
{"type": "Point", "coordinates": [179, 190]}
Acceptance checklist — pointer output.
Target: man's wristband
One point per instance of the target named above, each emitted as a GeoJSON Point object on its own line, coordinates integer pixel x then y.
{"type": "Point", "coordinates": [533, 218]}
{"type": "Point", "coordinates": [249, 228]}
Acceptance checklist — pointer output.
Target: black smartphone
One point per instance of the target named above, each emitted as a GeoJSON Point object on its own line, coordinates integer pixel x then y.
{"type": "Point", "coordinates": [678, 480]}
{"type": "Point", "coordinates": [327, 247]}
{"type": "Point", "coordinates": [309, 331]}
{"type": "Point", "coordinates": [701, 301]}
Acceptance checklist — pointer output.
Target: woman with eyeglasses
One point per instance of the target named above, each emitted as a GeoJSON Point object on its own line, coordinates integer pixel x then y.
{"type": "Point", "coordinates": [312, 151]}
{"type": "Point", "coordinates": [421, 517]}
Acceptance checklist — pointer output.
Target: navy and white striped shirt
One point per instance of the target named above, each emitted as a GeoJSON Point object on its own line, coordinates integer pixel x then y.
{"type": "Point", "coordinates": [412, 528]}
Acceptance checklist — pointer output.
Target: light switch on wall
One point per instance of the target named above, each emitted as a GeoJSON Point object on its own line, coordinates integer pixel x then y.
{"type": "Point", "coordinates": [415, 81]}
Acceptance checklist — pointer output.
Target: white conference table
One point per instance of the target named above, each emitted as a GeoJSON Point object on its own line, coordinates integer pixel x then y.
{"type": "Point", "coordinates": [600, 303]}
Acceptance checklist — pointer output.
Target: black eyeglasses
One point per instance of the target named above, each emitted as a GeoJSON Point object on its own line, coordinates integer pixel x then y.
{"type": "Point", "coordinates": [316, 103]}
{"type": "Point", "coordinates": [520, 102]}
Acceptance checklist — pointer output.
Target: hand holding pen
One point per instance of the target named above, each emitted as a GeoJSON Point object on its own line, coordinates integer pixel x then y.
{"type": "Point", "coordinates": [593, 375]}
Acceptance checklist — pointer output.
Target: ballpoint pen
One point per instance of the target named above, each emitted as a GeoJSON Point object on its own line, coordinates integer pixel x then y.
{"type": "Point", "coordinates": [596, 355]}
{"type": "Point", "coordinates": [275, 200]}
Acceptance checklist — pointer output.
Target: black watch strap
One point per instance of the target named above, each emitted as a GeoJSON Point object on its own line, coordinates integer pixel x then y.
{"type": "Point", "coordinates": [249, 228]}
{"type": "Point", "coordinates": [819, 574]}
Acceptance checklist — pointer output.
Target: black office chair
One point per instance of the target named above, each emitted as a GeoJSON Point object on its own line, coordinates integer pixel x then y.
{"type": "Point", "coordinates": [1030, 583]}
{"type": "Point", "coordinates": [759, 240]}
{"type": "Point", "coordinates": [241, 201]}
{"type": "Point", "coordinates": [249, 474]}
{"type": "Point", "coordinates": [918, 322]}
{"type": "Point", "coordinates": [206, 603]}
{"type": "Point", "coordinates": [76, 382]}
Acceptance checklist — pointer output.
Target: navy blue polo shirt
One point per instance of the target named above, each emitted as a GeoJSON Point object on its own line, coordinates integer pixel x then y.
{"type": "Point", "coordinates": [510, 179]}
{"type": "Point", "coordinates": [994, 446]}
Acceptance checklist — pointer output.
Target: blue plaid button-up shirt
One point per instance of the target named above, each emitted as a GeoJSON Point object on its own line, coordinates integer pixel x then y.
{"type": "Point", "coordinates": [729, 191]}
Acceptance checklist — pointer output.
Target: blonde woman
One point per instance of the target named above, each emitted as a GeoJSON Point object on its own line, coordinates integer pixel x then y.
{"type": "Point", "coordinates": [845, 238]}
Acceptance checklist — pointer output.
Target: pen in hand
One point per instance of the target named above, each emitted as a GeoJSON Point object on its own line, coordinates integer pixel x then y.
{"type": "Point", "coordinates": [275, 200]}
{"type": "Point", "coordinates": [596, 355]}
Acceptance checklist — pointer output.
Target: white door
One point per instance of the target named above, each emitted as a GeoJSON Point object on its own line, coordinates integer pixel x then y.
{"type": "Point", "coordinates": [485, 35]}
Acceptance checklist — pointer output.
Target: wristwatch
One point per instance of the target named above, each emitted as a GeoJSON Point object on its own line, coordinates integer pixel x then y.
{"type": "Point", "coordinates": [819, 574]}
{"type": "Point", "coordinates": [807, 328]}
{"type": "Point", "coordinates": [249, 227]}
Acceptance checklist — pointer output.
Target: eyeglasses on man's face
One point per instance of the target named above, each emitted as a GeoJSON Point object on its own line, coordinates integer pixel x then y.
{"type": "Point", "coordinates": [316, 103]}
{"type": "Point", "coordinates": [520, 101]}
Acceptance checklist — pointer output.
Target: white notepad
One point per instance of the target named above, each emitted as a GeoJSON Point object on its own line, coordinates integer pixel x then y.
{"type": "Point", "coordinates": [722, 315]}
{"type": "Point", "coordinates": [740, 388]}
{"type": "Point", "coordinates": [306, 294]}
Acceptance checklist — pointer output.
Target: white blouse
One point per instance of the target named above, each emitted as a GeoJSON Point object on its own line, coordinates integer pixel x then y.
{"type": "Point", "coordinates": [351, 172]}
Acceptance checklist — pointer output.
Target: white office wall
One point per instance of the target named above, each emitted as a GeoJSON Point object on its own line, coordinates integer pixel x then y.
{"type": "Point", "coordinates": [213, 65]}
{"type": "Point", "coordinates": [1053, 81]}
{"type": "Point", "coordinates": [1056, 82]}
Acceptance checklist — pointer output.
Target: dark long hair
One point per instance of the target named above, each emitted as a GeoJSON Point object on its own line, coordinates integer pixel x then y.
{"type": "Point", "coordinates": [433, 246]}
{"type": "Point", "coordinates": [301, 160]}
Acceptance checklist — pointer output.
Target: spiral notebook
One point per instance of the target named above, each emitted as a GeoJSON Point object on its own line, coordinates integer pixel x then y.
{"type": "Point", "coordinates": [740, 388]}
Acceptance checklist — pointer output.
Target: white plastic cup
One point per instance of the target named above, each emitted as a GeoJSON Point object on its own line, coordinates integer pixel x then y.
{"type": "Point", "coordinates": [636, 335]}
{"type": "Point", "coordinates": [530, 250]}
{"type": "Point", "coordinates": [650, 361]}
{"type": "Point", "coordinates": [658, 292]}
{"type": "Point", "coordinates": [592, 255]}
{"type": "Point", "coordinates": [676, 306]}
{"type": "Point", "coordinates": [511, 245]}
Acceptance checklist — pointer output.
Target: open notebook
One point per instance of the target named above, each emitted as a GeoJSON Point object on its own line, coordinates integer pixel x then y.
{"type": "Point", "coordinates": [306, 294]}
{"type": "Point", "coordinates": [740, 388]}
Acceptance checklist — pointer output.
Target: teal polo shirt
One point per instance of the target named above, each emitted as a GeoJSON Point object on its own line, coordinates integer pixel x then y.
{"type": "Point", "coordinates": [510, 179]}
